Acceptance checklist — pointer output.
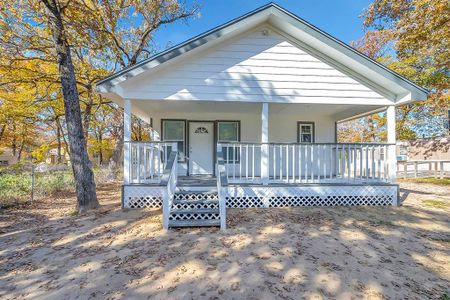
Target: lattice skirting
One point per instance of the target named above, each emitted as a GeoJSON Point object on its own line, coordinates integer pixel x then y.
{"type": "Point", "coordinates": [138, 196]}
{"type": "Point", "coordinates": [271, 196]}
{"type": "Point", "coordinates": [277, 196]}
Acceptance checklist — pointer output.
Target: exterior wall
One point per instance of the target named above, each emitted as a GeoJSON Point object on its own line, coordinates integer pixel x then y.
{"type": "Point", "coordinates": [282, 122]}
{"type": "Point", "coordinates": [6, 157]}
{"type": "Point", "coordinates": [253, 68]}
{"type": "Point", "coordinates": [428, 149]}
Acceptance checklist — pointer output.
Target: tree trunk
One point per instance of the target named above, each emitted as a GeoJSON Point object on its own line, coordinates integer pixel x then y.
{"type": "Point", "coordinates": [81, 166]}
{"type": "Point", "coordinates": [100, 152]}
{"type": "Point", "coordinates": [14, 141]}
{"type": "Point", "coordinates": [66, 145]}
{"type": "Point", "coordinates": [2, 131]}
{"type": "Point", "coordinates": [87, 115]}
{"type": "Point", "coordinates": [117, 155]}
{"type": "Point", "coordinates": [58, 137]}
{"type": "Point", "coordinates": [19, 153]}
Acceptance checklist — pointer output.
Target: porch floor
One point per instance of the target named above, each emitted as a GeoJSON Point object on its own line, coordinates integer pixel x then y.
{"type": "Point", "coordinates": [210, 181]}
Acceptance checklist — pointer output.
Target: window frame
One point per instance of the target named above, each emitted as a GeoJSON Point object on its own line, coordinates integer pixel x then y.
{"type": "Point", "coordinates": [180, 159]}
{"type": "Point", "coordinates": [313, 131]}
{"type": "Point", "coordinates": [236, 159]}
{"type": "Point", "coordinates": [229, 121]}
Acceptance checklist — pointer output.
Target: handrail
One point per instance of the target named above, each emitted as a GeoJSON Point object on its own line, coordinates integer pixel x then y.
{"type": "Point", "coordinates": [169, 179]}
{"type": "Point", "coordinates": [300, 143]}
{"type": "Point", "coordinates": [222, 181]}
{"type": "Point", "coordinates": [145, 161]}
{"type": "Point", "coordinates": [308, 162]}
{"type": "Point", "coordinates": [148, 142]}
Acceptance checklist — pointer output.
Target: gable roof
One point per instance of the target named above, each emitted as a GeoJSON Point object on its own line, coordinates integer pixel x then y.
{"type": "Point", "coordinates": [292, 25]}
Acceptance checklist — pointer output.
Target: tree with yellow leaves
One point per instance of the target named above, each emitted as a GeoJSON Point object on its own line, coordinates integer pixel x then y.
{"type": "Point", "coordinates": [412, 37]}
{"type": "Point", "coordinates": [81, 42]}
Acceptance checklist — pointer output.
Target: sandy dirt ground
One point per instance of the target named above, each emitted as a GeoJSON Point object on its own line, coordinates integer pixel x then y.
{"type": "Point", "coordinates": [291, 253]}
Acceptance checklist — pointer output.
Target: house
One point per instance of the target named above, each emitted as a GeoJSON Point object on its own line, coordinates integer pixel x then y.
{"type": "Point", "coordinates": [421, 149]}
{"type": "Point", "coordinates": [7, 158]}
{"type": "Point", "coordinates": [424, 157]}
{"type": "Point", "coordinates": [246, 114]}
{"type": "Point", "coordinates": [52, 157]}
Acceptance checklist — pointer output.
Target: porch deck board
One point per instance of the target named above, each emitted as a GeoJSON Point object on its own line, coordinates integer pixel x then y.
{"type": "Point", "coordinates": [211, 181]}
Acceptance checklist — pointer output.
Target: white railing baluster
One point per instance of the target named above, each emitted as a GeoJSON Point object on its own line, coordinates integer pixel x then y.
{"type": "Point", "coordinates": [379, 163]}
{"type": "Point", "coordinates": [367, 163]}
{"type": "Point", "coordinates": [287, 163]}
{"type": "Point", "coordinates": [235, 159]}
{"type": "Point", "coordinates": [240, 162]}
{"type": "Point", "coordinates": [246, 162]}
{"type": "Point", "coordinates": [373, 161]}
{"type": "Point", "coordinates": [294, 177]}
{"type": "Point", "coordinates": [355, 163]}
{"type": "Point", "coordinates": [360, 162]}
{"type": "Point", "coordinates": [253, 162]}
{"type": "Point", "coordinates": [299, 163]}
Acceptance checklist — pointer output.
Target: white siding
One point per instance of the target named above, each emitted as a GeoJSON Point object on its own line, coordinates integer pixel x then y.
{"type": "Point", "coordinates": [251, 68]}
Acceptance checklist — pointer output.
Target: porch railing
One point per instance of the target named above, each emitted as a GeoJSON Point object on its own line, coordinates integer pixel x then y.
{"type": "Point", "coordinates": [222, 182]}
{"type": "Point", "coordinates": [146, 161]}
{"type": "Point", "coordinates": [169, 180]}
{"type": "Point", "coordinates": [307, 162]}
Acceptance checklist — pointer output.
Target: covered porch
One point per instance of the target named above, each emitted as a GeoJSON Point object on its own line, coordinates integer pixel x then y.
{"type": "Point", "coordinates": [261, 143]}
{"type": "Point", "coordinates": [205, 157]}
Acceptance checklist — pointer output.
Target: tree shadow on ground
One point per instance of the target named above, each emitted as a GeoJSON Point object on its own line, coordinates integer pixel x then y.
{"type": "Point", "coordinates": [372, 252]}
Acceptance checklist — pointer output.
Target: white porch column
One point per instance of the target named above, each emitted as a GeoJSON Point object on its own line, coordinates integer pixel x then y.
{"type": "Point", "coordinates": [265, 145]}
{"type": "Point", "coordinates": [126, 140]}
{"type": "Point", "coordinates": [391, 138]}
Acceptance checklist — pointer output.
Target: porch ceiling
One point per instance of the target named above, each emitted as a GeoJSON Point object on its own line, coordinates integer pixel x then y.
{"type": "Point", "coordinates": [337, 112]}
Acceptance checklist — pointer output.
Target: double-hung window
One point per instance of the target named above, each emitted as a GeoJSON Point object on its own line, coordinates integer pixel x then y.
{"type": "Point", "coordinates": [175, 131]}
{"type": "Point", "coordinates": [305, 132]}
{"type": "Point", "coordinates": [228, 131]}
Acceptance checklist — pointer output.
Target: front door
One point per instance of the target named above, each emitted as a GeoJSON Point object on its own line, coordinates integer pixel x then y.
{"type": "Point", "coordinates": [201, 148]}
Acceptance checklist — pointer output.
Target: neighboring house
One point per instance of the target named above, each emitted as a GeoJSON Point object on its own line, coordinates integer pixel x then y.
{"type": "Point", "coordinates": [7, 158]}
{"type": "Point", "coordinates": [424, 157]}
{"type": "Point", "coordinates": [424, 149]}
{"type": "Point", "coordinates": [51, 156]}
{"type": "Point", "coordinates": [249, 112]}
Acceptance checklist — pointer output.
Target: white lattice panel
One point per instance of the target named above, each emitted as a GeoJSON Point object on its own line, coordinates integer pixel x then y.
{"type": "Point", "coordinates": [194, 216]}
{"type": "Point", "coordinates": [142, 196]}
{"type": "Point", "coordinates": [275, 196]}
{"type": "Point", "coordinates": [268, 196]}
{"type": "Point", "coordinates": [196, 205]}
{"type": "Point", "coordinates": [195, 196]}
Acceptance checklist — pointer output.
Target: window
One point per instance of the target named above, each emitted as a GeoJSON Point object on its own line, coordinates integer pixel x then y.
{"type": "Point", "coordinates": [175, 131]}
{"type": "Point", "coordinates": [228, 131]}
{"type": "Point", "coordinates": [305, 132]}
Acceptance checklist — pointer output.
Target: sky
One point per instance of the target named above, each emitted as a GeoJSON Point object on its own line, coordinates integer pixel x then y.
{"type": "Point", "coordinates": [340, 18]}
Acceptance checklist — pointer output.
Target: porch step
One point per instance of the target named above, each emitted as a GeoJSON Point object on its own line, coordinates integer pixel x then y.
{"type": "Point", "coordinates": [195, 209]}
{"type": "Point", "coordinates": [195, 196]}
{"type": "Point", "coordinates": [194, 223]}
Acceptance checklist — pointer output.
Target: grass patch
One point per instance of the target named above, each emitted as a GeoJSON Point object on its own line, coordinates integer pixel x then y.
{"type": "Point", "coordinates": [15, 185]}
{"type": "Point", "coordinates": [436, 203]}
{"type": "Point", "coordinates": [438, 181]}
{"type": "Point", "coordinates": [445, 297]}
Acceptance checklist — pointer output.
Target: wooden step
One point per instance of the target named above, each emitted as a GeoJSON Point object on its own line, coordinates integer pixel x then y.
{"type": "Point", "coordinates": [197, 201]}
{"type": "Point", "coordinates": [210, 191]}
{"type": "Point", "coordinates": [193, 223]}
{"type": "Point", "coordinates": [195, 211]}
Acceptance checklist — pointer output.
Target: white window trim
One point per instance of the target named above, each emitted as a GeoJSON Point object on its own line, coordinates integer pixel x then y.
{"type": "Point", "coordinates": [180, 159]}
{"type": "Point", "coordinates": [313, 131]}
